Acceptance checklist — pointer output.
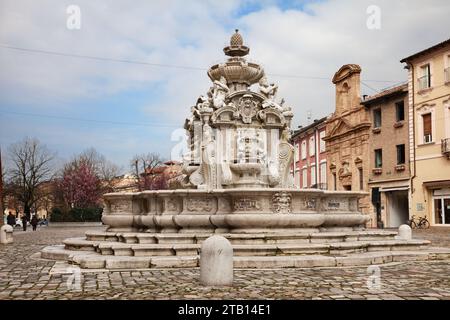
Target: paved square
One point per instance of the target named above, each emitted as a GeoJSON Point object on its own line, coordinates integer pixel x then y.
{"type": "Point", "coordinates": [24, 276]}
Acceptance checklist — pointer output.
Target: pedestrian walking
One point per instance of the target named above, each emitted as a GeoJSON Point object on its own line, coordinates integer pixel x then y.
{"type": "Point", "coordinates": [11, 219]}
{"type": "Point", "coordinates": [24, 222]}
{"type": "Point", "coordinates": [34, 222]}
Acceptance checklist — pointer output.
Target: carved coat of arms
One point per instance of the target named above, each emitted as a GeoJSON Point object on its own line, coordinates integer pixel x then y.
{"type": "Point", "coordinates": [247, 108]}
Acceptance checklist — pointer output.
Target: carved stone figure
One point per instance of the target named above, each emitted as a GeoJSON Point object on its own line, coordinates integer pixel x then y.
{"type": "Point", "coordinates": [269, 91]}
{"type": "Point", "coordinates": [220, 90]}
{"type": "Point", "coordinates": [209, 162]}
{"type": "Point", "coordinates": [285, 158]}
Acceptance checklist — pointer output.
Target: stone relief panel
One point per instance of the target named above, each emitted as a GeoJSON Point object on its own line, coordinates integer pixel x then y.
{"type": "Point", "coordinates": [224, 205]}
{"type": "Point", "coordinates": [171, 205]}
{"type": "Point", "coordinates": [310, 203]}
{"type": "Point", "coordinates": [121, 206]}
{"type": "Point", "coordinates": [336, 204]}
{"type": "Point", "coordinates": [247, 204]}
{"type": "Point", "coordinates": [353, 204]}
{"type": "Point", "coordinates": [282, 202]}
{"type": "Point", "coordinates": [199, 205]}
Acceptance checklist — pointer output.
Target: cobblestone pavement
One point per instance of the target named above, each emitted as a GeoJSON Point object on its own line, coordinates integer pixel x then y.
{"type": "Point", "coordinates": [23, 276]}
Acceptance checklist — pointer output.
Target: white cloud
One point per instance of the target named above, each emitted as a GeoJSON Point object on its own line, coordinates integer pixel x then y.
{"type": "Point", "coordinates": [291, 42]}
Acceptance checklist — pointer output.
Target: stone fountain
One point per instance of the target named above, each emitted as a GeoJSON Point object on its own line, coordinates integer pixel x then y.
{"type": "Point", "coordinates": [237, 183]}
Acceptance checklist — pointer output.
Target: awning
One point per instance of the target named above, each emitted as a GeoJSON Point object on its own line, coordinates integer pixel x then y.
{"type": "Point", "coordinates": [388, 189]}
{"type": "Point", "coordinates": [437, 184]}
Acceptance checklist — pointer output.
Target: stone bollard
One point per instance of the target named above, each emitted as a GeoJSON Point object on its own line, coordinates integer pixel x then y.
{"type": "Point", "coordinates": [216, 262]}
{"type": "Point", "coordinates": [404, 232]}
{"type": "Point", "coordinates": [6, 233]}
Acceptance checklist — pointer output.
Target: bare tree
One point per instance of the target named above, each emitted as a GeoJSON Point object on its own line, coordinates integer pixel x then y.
{"type": "Point", "coordinates": [31, 165]}
{"type": "Point", "coordinates": [145, 166]}
{"type": "Point", "coordinates": [105, 169]}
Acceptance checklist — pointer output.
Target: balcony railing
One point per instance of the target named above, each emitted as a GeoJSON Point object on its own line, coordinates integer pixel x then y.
{"type": "Point", "coordinates": [447, 75]}
{"type": "Point", "coordinates": [321, 186]}
{"type": "Point", "coordinates": [424, 82]}
{"type": "Point", "coordinates": [445, 147]}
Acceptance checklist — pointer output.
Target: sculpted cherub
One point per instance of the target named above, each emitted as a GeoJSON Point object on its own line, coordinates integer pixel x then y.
{"type": "Point", "coordinates": [269, 91]}
{"type": "Point", "coordinates": [220, 90]}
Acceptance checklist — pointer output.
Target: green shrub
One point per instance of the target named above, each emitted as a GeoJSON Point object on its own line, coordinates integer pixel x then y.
{"type": "Point", "coordinates": [77, 215]}
{"type": "Point", "coordinates": [86, 214]}
{"type": "Point", "coordinates": [57, 215]}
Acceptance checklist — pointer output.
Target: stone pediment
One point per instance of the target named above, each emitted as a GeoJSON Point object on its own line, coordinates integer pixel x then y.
{"type": "Point", "coordinates": [346, 71]}
{"type": "Point", "coordinates": [224, 115]}
{"type": "Point", "coordinates": [272, 118]}
{"type": "Point", "coordinates": [341, 127]}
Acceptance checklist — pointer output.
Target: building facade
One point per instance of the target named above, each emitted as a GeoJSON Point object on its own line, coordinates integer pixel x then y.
{"type": "Point", "coordinates": [429, 130]}
{"type": "Point", "coordinates": [310, 162]}
{"type": "Point", "coordinates": [389, 174]}
{"type": "Point", "coordinates": [347, 139]}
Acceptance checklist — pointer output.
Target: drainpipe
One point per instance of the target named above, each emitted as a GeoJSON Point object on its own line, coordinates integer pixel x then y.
{"type": "Point", "coordinates": [316, 141]}
{"type": "Point", "coordinates": [410, 67]}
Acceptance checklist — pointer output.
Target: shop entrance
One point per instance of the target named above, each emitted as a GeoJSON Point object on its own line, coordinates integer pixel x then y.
{"type": "Point", "coordinates": [398, 208]}
{"type": "Point", "coordinates": [442, 210]}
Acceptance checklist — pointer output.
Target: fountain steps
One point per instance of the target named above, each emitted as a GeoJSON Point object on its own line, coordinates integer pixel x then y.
{"type": "Point", "coordinates": [133, 250]}
{"type": "Point", "coordinates": [182, 249]}
{"type": "Point", "coordinates": [266, 238]}
{"type": "Point", "coordinates": [93, 260]}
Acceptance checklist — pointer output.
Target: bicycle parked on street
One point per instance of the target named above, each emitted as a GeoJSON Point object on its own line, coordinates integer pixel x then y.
{"type": "Point", "coordinates": [421, 223]}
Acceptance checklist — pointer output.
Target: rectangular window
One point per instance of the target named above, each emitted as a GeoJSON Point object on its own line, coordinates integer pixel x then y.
{"type": "Point", "coordinates": [297, 178]}
{"type": "Point", "coordinates": [323, 174]}
{"type": "Point", "coordinates": [334, 182]}
{"type": "Point", "coordinates": [425, 78]}
{"type": "Point", "coordinates": [313, 176]}
{"type": "Point", "coordinates": [401, 154]}
{"type": "Point", "coordinates": [400, 111]}
{"type": "Point", "coordinates": [378, 158]}
{"type": "Point", "coordinates": [297, 152]}
{"type": "Point", "coordinates": [304, 149]}
{"type": "Point", "coordinates": [377, 118]}
{"type": "Point", "coordinates": [304, 178]}
{"type": "Point", "coordinates": [312, 146]}
{"type": "Point", "coordinates": [361, 179]}
{"type": "Point", "coordinates": [322, 142]}
{"type": "Point", "coordinates": [427, 129]}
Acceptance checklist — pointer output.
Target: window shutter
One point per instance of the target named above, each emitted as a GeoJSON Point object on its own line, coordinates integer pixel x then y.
{"type": "Point", "coordinates": [426, 123]}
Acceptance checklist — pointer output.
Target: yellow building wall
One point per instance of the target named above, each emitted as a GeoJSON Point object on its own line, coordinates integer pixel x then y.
{"type": "Point", "coordinates": [430, 164]}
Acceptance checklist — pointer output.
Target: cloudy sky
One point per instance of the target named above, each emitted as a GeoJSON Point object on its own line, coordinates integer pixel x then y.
{"type": "Point", "coordinates": [67, 88]}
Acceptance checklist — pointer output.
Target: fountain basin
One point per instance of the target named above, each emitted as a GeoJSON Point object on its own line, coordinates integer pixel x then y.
{"type": "Point", "coordinates": [241, 210]}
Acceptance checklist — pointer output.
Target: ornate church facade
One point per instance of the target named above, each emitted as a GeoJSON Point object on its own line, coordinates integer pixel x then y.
{"type": "Point", "coordinates": [347, 139]}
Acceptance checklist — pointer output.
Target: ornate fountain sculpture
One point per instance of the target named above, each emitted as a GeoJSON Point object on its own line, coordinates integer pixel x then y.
{"type": "Point", "coordinates": [238, 170]}
{"type": "Point", "coordinates": [238, 184]}
{"type": "Point", "coordinates": [250, 147]}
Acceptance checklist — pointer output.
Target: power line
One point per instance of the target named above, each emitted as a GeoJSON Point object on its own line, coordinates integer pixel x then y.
{"type": "Point", "coordinates": [80, 56]}
{"type": "Point", "coordinates": [91, 120]}
{"type": "Point", "coordinates": [72, 55]}
{"type": "Point", "coordinates": [371, 88]}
